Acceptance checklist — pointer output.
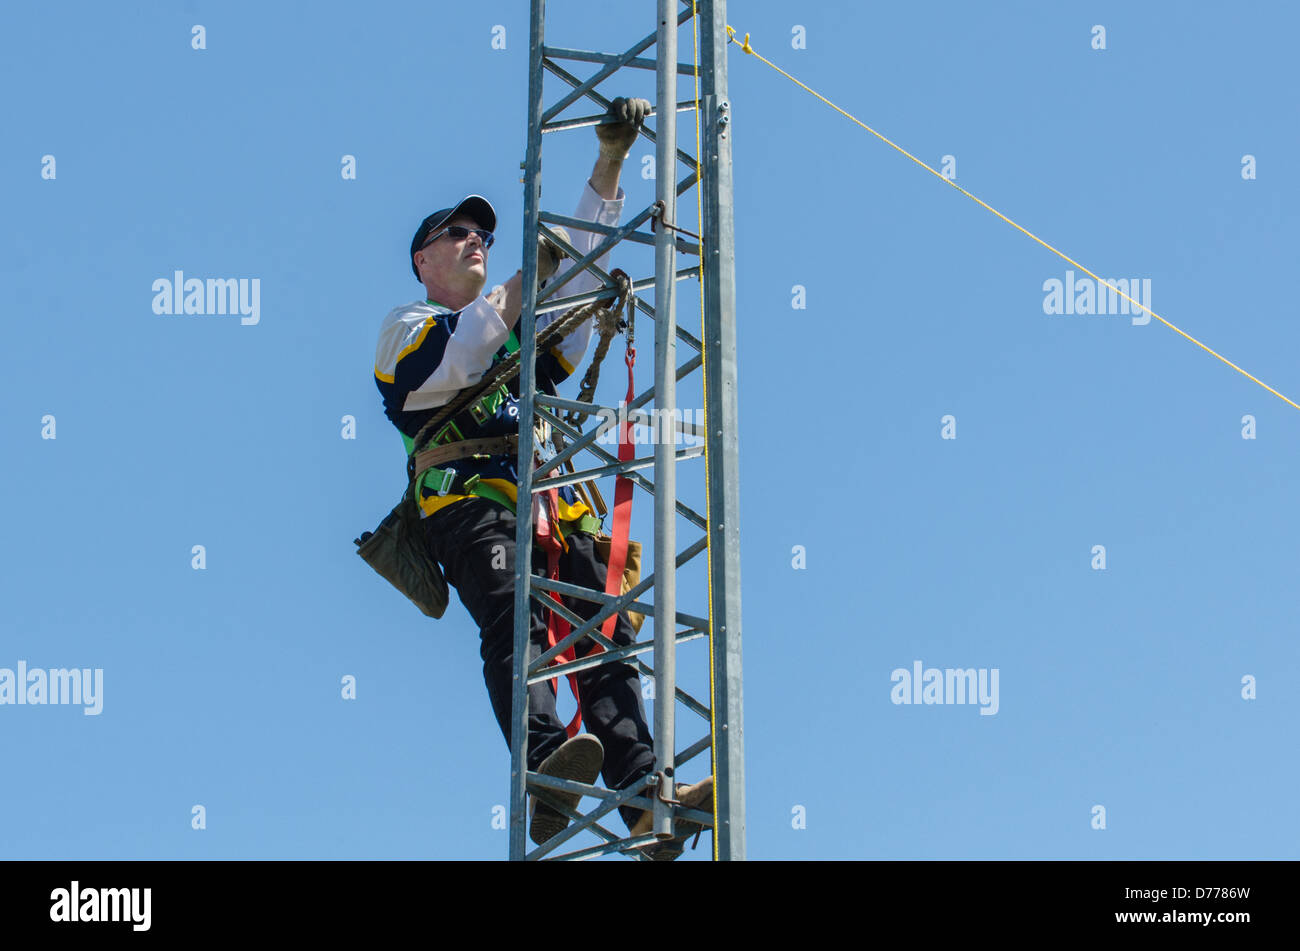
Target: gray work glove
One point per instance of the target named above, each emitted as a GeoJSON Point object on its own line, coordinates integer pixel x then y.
{"type": "Point", "coordinates": [549, 255]}
{"type": "Point", "coordinates": [616, 138]}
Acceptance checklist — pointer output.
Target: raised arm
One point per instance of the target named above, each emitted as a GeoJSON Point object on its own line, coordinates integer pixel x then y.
{"type": "Point", "coordinates": [616, 139]}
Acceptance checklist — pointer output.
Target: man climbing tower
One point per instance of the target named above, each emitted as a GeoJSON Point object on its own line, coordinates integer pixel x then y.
{"type": "Point", "coordinates": [428, 352]}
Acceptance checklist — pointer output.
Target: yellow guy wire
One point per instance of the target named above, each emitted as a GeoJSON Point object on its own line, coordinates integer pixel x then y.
{"type": "Point", "coordinates": [731, 36]}
{"type": "Point", "coordinates": [704, 391]}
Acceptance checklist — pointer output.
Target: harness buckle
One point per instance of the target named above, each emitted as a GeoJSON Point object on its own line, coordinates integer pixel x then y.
{"type": "Point", "coordinates": [449, 433]}
{"type": "Point", "coordinates": [543, 447]}
{"type": "Point", "coordinates": [484, 408]}
{"type": "Point", "coordinates": [448, 479]}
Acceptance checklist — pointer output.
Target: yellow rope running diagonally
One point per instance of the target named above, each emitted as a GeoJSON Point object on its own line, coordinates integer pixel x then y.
{"type": "Point", "coordinates": [731, 36]}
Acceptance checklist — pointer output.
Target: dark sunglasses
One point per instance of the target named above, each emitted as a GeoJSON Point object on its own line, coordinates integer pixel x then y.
{"type": "Point", "coordinates": [460, 233]}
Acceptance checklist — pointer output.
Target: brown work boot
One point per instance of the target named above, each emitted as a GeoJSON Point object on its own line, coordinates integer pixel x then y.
{"type": "Point", "coordinates": [578, 759]}
{"type": "Point", "coordinates": [696, 796]}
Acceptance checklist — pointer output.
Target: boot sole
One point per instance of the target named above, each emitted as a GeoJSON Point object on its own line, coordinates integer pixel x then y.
{"type": "Point", "coordinates": [579, 762]}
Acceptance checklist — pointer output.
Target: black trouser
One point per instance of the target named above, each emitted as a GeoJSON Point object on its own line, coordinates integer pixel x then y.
{"type": "Point", "coordinates": [474, 541]}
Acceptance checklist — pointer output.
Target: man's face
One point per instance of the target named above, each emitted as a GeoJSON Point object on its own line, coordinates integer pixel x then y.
{"type": "Point", "coordinates": [451, 260]}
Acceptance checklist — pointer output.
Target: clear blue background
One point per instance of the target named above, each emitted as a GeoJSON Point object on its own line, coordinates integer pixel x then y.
{"type": "Point", "coordinates": [222, 687]}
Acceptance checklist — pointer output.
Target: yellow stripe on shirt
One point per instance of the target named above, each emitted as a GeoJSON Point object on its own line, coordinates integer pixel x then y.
{"type": "Point", "coordinates": [429, 323]}
{"type": "Point", "coordinates": [568, 367]}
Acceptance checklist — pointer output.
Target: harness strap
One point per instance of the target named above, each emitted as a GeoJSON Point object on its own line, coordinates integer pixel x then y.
{"type": "Point", "coordinates": [475, 487]}
{"type": "Point", "coordinates": [489, 446]}
{"type": "Point", "coordinates": [557, 628]}
{"type": "Point", "coordinates": [622, 504]}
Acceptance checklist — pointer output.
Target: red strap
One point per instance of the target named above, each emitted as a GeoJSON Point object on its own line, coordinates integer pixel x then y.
{"type": "Point", "coordinates": [622, 505]}
{"type": "Point", "coordinates": [556, 627]}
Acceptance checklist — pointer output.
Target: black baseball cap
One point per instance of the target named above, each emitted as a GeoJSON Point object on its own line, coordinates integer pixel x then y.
{"type": "Point", "coordinates": [476, 206]}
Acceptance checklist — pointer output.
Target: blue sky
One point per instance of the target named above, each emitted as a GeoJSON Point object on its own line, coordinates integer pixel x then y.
{"type": "Point", "coordinates": [1119, 688]}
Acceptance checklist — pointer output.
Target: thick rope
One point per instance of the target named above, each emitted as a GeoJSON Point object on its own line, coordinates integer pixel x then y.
{"type": "Point", "coordinates": [608, 323]}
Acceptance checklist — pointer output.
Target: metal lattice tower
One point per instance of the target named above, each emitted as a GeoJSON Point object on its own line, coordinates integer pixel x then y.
{"type": "Point", "coordinates": [715, 532]}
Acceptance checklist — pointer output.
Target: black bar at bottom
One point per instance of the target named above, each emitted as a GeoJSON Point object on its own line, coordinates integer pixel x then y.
{"type": "Point", "coordinates": [1224, 901]}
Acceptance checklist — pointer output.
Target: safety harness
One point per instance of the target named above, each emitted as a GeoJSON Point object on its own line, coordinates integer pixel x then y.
{"type": "Point", "coordinates": [449, 445]}
{"type": "Point", "coordinates": [427, 466]}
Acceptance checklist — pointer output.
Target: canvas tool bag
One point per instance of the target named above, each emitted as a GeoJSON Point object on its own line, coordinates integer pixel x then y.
{"type": "Point", "coordinates": [397, 550]}
{"type": "Point", "coordinates": [631, 571]}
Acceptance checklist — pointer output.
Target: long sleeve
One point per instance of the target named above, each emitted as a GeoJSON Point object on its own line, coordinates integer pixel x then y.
{"type": "Point", "coordinates": [606, 211]}
{"type": "Point", "coordinates": [424, 358]}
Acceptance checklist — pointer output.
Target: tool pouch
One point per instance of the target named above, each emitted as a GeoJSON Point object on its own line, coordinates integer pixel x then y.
{"type": "Point", "coordinates": [397, 550]}
{"type": "Point", "coordinates": [631, 570]}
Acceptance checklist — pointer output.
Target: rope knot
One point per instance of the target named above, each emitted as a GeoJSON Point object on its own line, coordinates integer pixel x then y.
{"type": "Point", "coordinates": [731, 37]}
